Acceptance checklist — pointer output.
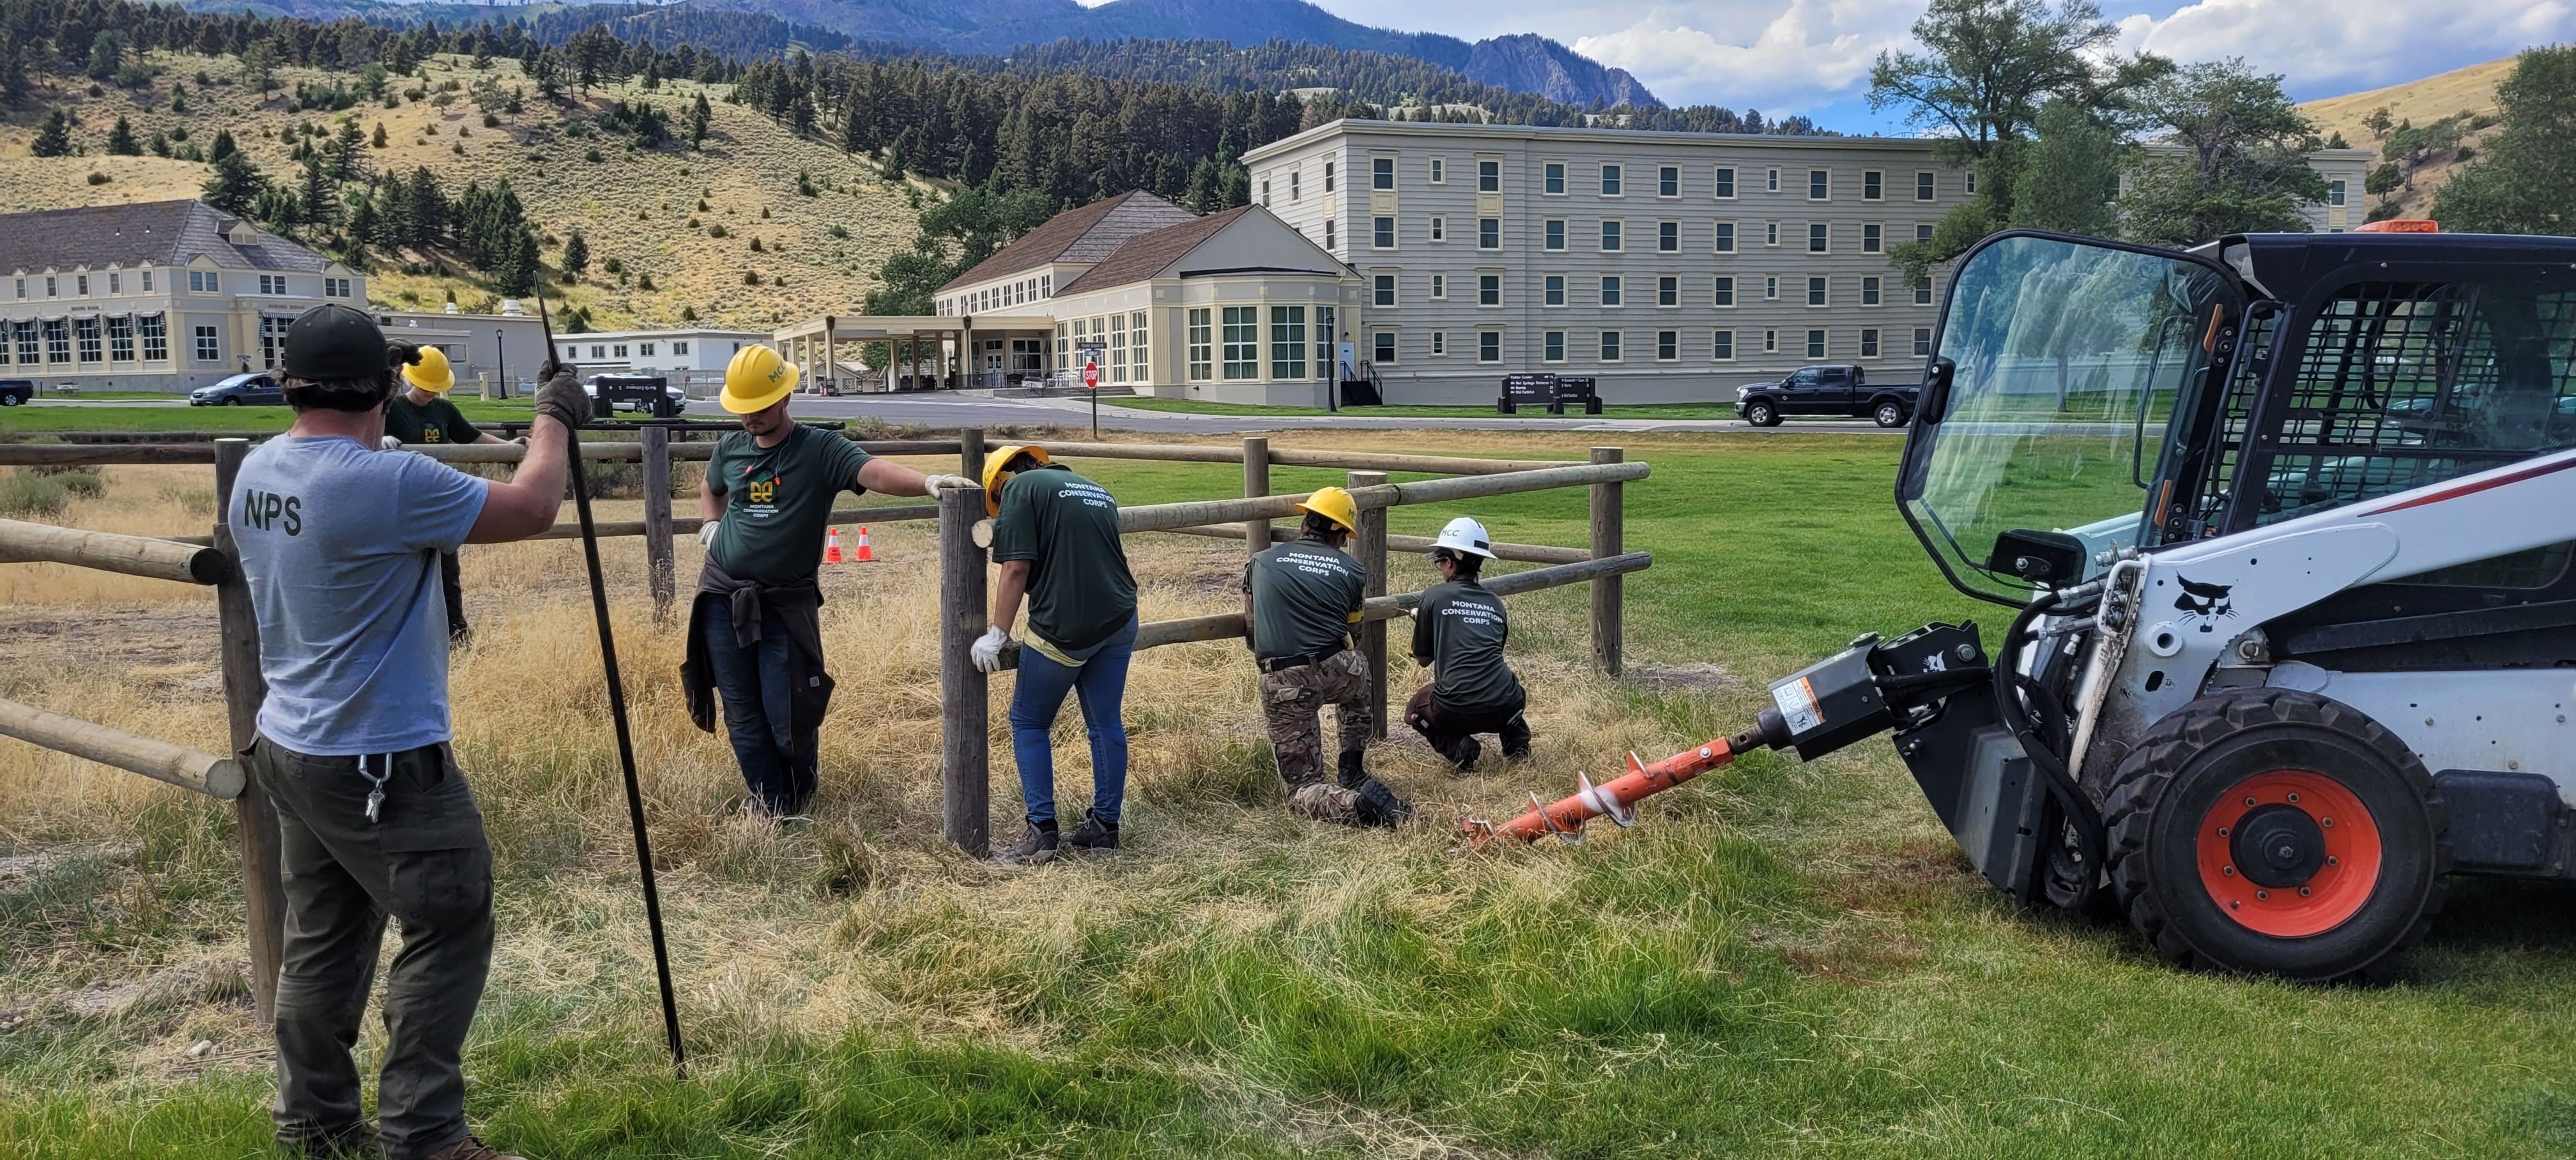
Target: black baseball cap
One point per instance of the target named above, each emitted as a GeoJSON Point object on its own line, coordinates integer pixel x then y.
{"type": "Point", "coordinates": [332, 343]}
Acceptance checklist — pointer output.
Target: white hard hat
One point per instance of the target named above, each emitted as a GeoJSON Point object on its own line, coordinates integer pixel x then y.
{"type": "Point", "coordinates": [1464, 534]}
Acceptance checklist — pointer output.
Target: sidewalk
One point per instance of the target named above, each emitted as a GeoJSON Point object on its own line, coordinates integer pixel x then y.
{"type": "Point", "coordinates": [1363, 421]}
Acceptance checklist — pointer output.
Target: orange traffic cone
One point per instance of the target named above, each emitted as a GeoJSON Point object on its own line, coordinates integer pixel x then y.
{"type": "Point", "coordinates": [832, 547]}
{"type": "Point", "coordinates": [867, 555]}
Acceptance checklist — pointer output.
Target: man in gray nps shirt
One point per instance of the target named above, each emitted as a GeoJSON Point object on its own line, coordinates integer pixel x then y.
{"type": "Point", "coordinates": [1301, 599]}
{"type": "Point", "coordinates": [1459, 630]}
{"type": "Point", "coordinates": [339, 544]}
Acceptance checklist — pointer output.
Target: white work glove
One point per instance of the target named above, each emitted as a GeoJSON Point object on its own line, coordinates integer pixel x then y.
{"type": "Point", "coordinates": [932, 485]}
{"type": "Point", "coordinates": [707, 533]}
{"type": "Point", "coordinates": [390, 443]}
{"type": "Point", "coordinates": [988, 647]}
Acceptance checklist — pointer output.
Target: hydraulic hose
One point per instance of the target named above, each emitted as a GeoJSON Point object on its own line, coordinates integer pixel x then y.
{"type": "Point", "coordinates": [2052, 764]}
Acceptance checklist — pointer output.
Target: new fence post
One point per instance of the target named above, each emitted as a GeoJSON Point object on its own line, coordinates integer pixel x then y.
{"type": "Point", "coordinates": [965, 713]}
{"type": "Point", "coordinates": [970, 453]}
{"type": "Point", "coordinates": [1372, 553]}
{"type": "Point", "coordinates": [660, 572]}
{"type": "Point", "coordinates": [263, 894]}
{"type": "Point", "coordinates": [1609, 537]}
{"type": "Point", "coordinates": [1256, 483]}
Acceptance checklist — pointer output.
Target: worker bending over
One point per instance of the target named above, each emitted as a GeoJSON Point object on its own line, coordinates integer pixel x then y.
{"type": "Point", "coordinates": [1459, 630]}
{"type": "Point", "coordinates": [755, 627]}
{"type": "Point", "coordinates": [1055, 534]}
{"type": "Point", "coordinates": [420, 413]}
{"type": "Point", "coordinates": [338, 541]}
{"type": "Point", "coordinates": [1302, 599]}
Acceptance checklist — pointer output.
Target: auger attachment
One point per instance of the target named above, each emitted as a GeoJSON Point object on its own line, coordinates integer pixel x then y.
{"type": "Point", "coordinates": [1615, 800]}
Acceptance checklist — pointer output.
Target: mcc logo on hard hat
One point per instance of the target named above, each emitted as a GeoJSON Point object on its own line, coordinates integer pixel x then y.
{"type": "Point", "coordinates": [756, 380]}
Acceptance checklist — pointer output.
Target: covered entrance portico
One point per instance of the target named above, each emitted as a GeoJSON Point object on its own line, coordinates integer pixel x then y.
{"type": "Point", "coordinates": [928, 352]}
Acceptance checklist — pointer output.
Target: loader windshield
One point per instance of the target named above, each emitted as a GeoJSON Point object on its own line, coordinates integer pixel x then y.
{"type": "Point", "coordinates": [2069, 359]}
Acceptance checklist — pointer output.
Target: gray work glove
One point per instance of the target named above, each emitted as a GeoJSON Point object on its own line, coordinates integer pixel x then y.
{"type": "Point", "coordinates": [932, 485]}
{"type": "Point", "coordinates": [707, 533]}
{"type": "Point", "coordinates": [561, 398]}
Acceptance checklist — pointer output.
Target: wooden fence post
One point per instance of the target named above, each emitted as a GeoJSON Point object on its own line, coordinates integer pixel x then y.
{"type": "Point", "coordinates": [965, 712]}
{"type": "Point", "coordinates": [1609, 538]}
{"type": "Point", "coordinates": [660, 571]}
{"type": "Point", "coordinates": [1256, 484]}
{"type": "Point", "coordinates": [1371, 545]}
{"type": "Point", "coordinates": [970, 453]}
{"type": "Point", "coordinates": [263, 894]}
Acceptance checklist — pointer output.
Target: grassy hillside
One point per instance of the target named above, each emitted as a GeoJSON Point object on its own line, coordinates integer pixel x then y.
{"type": "Point", "coordinates": [639, 207]}
{"type": "Point", "coordinates": [2468, 90]}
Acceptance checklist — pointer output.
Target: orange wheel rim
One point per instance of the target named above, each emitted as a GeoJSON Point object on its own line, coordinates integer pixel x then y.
{"type": "Point", "coordinates": [2314, 856]}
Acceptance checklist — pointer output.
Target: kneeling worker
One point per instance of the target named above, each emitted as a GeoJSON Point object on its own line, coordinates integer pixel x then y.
{"type": "Point", "coordinates": [1459, 630]}
{"type": "Point", "coordinates": [755, 628]}
{"type": "Point", "coordinates": [420, 413]}
{"type": "Point", "coordinates": [1302, 599]}
{"type": "Point", "coordinates": [1055, 534]}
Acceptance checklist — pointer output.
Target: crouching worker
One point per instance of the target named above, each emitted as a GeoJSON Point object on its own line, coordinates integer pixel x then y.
{"type": "Point", "coordinates": [1302, 599]}
{"type": "Point", "coordinates": [1459, 631]}
{"type": "Point", "coordinates": [421, 413]}
{"type": "Point", "coordinates": [755, 627]}
{"type": "Point", "coordinates": [1055, 534]}
{"type": "Point", "coordinates": [339, 548]}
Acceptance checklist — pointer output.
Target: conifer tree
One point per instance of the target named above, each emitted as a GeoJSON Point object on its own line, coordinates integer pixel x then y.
{"type": "Point", "coordinates": [120, 140]}
{"type": "Point", "coordinates": [55, 139]}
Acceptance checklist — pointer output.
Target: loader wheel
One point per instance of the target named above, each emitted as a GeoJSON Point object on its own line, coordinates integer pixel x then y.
{"type": "Point", "coordinates": [2276, 832]}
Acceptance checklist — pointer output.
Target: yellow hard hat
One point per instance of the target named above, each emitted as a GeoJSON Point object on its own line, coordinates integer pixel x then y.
{"type": "Point", "coordinates": [993, 465]}
{"type": "Point", "coordinates": [756, 380]}
{"type": "Point", "coordinates": [1333, 504]}
{"type": "Point", "coordinates": [431, 373]}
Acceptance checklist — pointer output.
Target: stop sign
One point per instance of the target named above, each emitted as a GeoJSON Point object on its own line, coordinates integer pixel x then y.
{"type": "Point", "coordinates": [1091, 374]}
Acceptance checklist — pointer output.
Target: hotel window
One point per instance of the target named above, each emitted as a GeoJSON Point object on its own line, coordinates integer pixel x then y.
{"type": "Point", "coordinates": [1869, 342]}
{"type": "Point", "coordinates": [644, 349]}
{"type": "Point", "coordinates": [272, 283]}
{"type": "Point", "coordinates": [1382, 347]}
{"type": "Point", "coordinates": [1817, 238]}
{"type": "Point", "coordinates": [1923, 341]}
{"type": "Point", "coordinates": [1668, 237]}
{"type": "Point", "coordinates": [272, 340]}
{"type": "Point", "coordinates": [1552, 290]}
{"type": "Point", "coordinates": [1815, 343]}
{"type": "Point", "coordinates": [1721, 345]}
{"type": "Point", "coordinates": [1440, 342]}
{"type": "Point", "coordinates": [1770, 342]}
{"type": "Point", "coordinates": [1815, 291]}
{"type": "Point", "coordinates": [1329, 243]}
{"type": "Point", "coordinates": [1328, 177]}
{"type": "Point", "coordinates": [1265, 191]}
{"type": "Point", "coordinates": [210, 346]}
{"type": "Point", "coordinates": [1439, 287]}
{"type": "Point", "coordinates": [1046, 285]}
{"type": "Point", "coordinates": [1872, 238]}
{"type": "Point", "coordinates": [1721, 291]}
{"type": "Point", "coordinates": [1382, 290]}
{"type": "Point", "coordinates": [617, 351]}
{"type": "Point", "coordinates": [1117, 348]}
{"type": "Point", "coordinates": [2334, 192]}
{"type": "Point", "coordinates": [1611, 239]}
{"type": "Point", "coordinates": [1869, 290]}
{"type": "Point", "coordinates": [1489, 346]}
{"type": "Point", "coordinates": [1489, 177]}
{"type": "Point", "coordinates": [1668, 181]}
{"type": "Point", "coordinates": [1552, 179]}
{"type": "Point", "coordinates": [1552, 346]}
{"type": "Point", "coordinates": [1489, 233]}
{"type": "Point", "coordinates": [1971, 186]}
{"type": "Point", "coordinates": [1439, 229]}
{"type": "Point", "coordinates": [52, 289]}
{"type": "Point", "coordinates": [27, 351]}
{"type": "Point", "coordinates": [1613, 182]}
{"type": "Point", "coordinates": [1609, 346]}
{"type": "Point", "coordinates": [1295, 184]}
{"type": "Point", "coordinates": [1725, 183]}
{"type": "Point", "coordinates": [335, 288]}
{"type": "Point", "coordinates": [1137, 346]}
{"type": "Point", "coordinates": [1382, 233]}
{"type": "Point", "coordinates": [1439, 171]}
{"type": "Point", "coordinates": [1923, 186]}
{"type": "Point", "coordinates": [1923, 290]}
{"type": "Point", "coordinates": [115, 283]}
{"type": "Point", "coordinates": [147, 283]}
{"type": "Point", "coordinates": [1489, 289]}
{"type": "Point", "coordinates": [1611, 292]}
{"type": "Point", "coordinates": [1553, 234]}
{"type": "Point", "coordinates": [599, 352]}
{"type": "Point", "coordinates": [1202, 344]}
{"type": "Point", "coordinates": [1243, 342]}
{"type": "Point", "coordinates": [1771, 181]}
{"type": "Point", "coordinates": [120, 340]}
{"type": "Point", "coordinates": [1820, 184]}
{"type": "Point", "coordinates": [156, 337]}
{"type": "Point", "coordinates": [1726, 237]}
{"type": "Point", "coordinates": [1287, 342]}
{"type": "Point", "coordinates": [682, 347]}
{"type": "Point", "coordinates": [1771, 288]}
{"type": "Point", "coordinates": [58, 340]}
{"type": "Point", "coordinates": [204, 282]}
{"type": "Point", "coordinates": [85, 330]}
{"type": "Point", "coordinates": [1668, 345]}
{"type": "Point", "coordinates": [1770, 233]}
{"type": "Point", "coordinates": [22, 287]}
{"type": "Point", "coordinates": [1668, 291]}
{"type": "Point", "coordinates": [1873, 185]}
{"type": "Point", "coordinates": [80, 285]}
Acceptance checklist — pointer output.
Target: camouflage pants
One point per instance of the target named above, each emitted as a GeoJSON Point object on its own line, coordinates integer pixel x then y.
{"type": "Point", "coordinates": [1292, 702]}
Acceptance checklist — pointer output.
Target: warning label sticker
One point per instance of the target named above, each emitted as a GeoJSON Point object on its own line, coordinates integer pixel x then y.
{"type": "Point", "coordinates": [1797, 702]}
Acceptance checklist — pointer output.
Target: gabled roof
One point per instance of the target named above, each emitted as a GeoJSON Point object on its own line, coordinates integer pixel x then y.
{"type": "Point", "coordinates": [163, 233]}
{"type": "Point", "coordinates": [1145, 255]}
{"type": "Point", "coordinates": [1084, 235]}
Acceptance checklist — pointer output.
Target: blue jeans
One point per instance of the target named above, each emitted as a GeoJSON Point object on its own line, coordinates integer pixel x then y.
{"type": "Point", "coordinates": [1101, 683]}
{"type": "Point", "coordinates": [778, 762]}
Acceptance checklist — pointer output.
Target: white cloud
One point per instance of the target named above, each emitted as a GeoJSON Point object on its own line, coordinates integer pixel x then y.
{"type": "Point", "coordinates": [2349, 47]}
{"type": "Point", "coordinates": [1780, 56]}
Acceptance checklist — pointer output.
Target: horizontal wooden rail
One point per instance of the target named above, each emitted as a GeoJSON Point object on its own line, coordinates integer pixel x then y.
{"type": "Point", "coordinates": [216, 777]}
{"type": "Point", "coordinates": [1164, 517]}
{"type": "Point", "coordinates": [1517, 553]}
{"type": "Point", "coordinates": [1297, 457]}
{"type": "Point", "coordinates": [1230, 626]}
{"type": "Point", "coordinates": [611, 529]}
{"type": "Point", "coordinates": [103, 454]}
{"type": "Point", "coordinates": [149, 454]}
{"type": "Point", "coordinates": [159, 559]}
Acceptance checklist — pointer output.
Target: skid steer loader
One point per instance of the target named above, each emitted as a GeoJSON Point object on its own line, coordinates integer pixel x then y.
{"type": "Point", "coordinates": [2286, 525]}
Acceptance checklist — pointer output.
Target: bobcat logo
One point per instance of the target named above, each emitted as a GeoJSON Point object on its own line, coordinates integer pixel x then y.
{"type": "Point", "coordinates": [2206, 603]}
{"type": "Point", "coordinates": [763, 490]}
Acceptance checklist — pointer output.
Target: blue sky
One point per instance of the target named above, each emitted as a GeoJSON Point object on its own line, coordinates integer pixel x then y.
{"type": "Point", "coordinates": [1813, 56]}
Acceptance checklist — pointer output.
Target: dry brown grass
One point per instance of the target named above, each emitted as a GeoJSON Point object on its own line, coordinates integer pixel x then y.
{"type": "Point", "coordinates": [2470, 89]}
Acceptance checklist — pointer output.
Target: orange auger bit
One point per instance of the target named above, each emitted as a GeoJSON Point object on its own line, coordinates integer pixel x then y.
{"type": "Point", "coordinates": [1615, 800]}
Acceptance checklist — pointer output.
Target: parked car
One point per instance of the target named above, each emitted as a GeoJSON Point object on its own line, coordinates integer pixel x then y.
{"type": "Point", "coordinates": [251, 390]}
{"type": "Point", "coordinates": [16, 391]}
{"type": "Point", "coordinates": [650, 394]}
{"type": "Point", "coordinates": [1840, 390]}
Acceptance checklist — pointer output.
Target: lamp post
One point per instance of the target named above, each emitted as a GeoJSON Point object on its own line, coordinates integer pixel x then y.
{"type": "Point", "coordinates": [501, 354]}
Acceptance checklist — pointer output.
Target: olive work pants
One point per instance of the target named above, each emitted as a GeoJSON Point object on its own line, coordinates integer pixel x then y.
{"type": "Point", "coordinates": [1292, 702]}
{"type": "Point", "coordinates": [425, 861]}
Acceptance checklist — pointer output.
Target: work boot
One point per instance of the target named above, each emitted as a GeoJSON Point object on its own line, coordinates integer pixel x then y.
{"type": "Point", "coordinates": [1092, 835]}
{"type": "Point", "coordinates": [1378, 805]}
{"type": "Point", "coordinates": [470, 1148]}
{"type": "Point", "coordinates": [1465, 753]}
{"type": "Point", "coordinates": [1036, 846]}
{"type": "Point", "coordinates": [1352, 773]}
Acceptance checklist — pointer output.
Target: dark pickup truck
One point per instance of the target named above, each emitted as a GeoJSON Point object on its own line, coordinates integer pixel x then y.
{"type": "Point", "coordinates": [16, 391]}
{"type": "Point", "coordinates": [1837, 389]}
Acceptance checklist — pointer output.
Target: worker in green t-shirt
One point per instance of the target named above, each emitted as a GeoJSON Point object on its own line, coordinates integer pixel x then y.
{"type": "Point", "coordinates": [1055, 534]}
{"type": "Point", "coordinates": [1459, 630]}
{"type": "Point", "coordinates": [420, 413]}
{"type": "Point", "coordinates": [1302, 599]}
{"type": "Point", "coordinates": [755, 628]}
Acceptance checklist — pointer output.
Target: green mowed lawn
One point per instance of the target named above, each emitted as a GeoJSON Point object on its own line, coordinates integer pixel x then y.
{"type": "Point", "coordinates": [1778, 958]}
{"type": "Point", "coordinates": [1608, 410]}
{"type": "Point", "coordinates": [180, 417]}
